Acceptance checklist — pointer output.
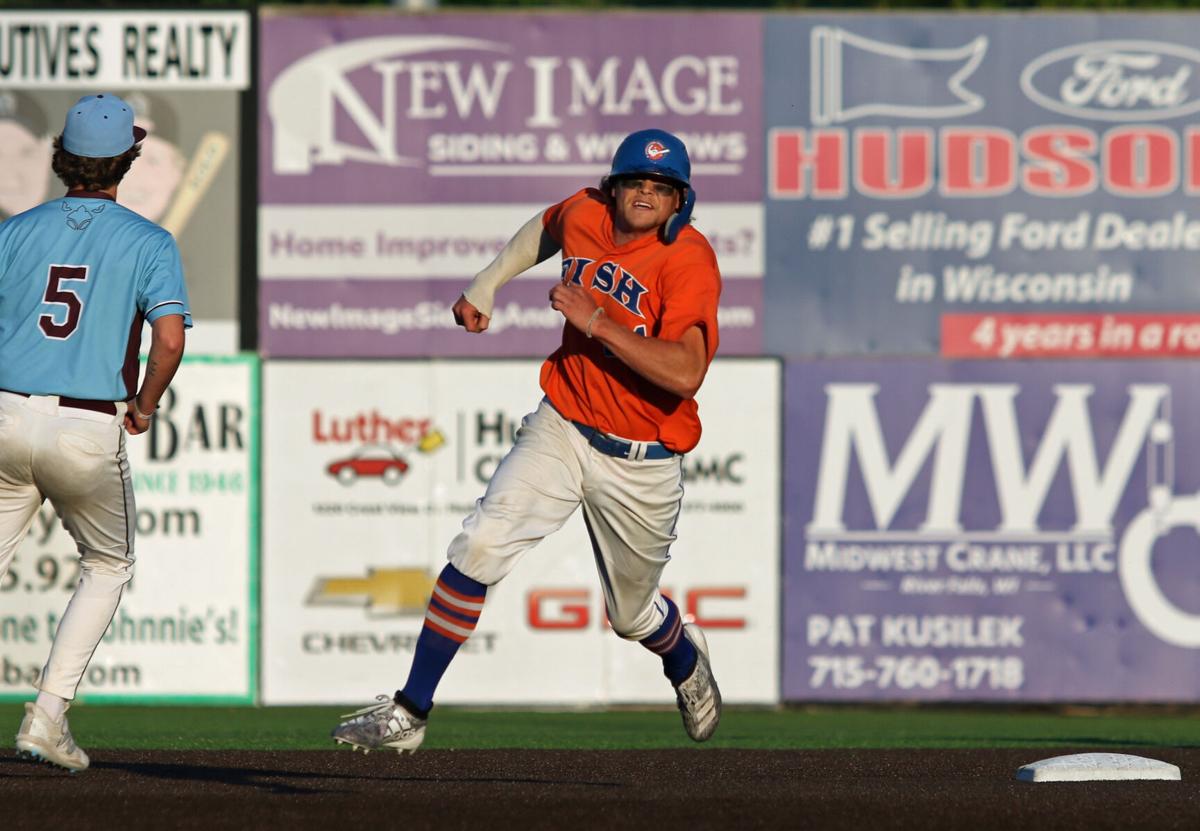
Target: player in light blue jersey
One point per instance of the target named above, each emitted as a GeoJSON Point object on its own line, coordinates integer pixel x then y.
{"type": "Point", "coordinates": [78, 278]}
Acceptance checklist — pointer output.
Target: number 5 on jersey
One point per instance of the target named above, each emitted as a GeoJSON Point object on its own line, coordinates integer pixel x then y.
{"type": "Point", "coordinates": [58, 296]}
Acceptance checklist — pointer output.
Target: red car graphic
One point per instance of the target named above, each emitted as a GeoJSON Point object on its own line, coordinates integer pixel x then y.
{"type": "Point", "coordinates": [372, 460]}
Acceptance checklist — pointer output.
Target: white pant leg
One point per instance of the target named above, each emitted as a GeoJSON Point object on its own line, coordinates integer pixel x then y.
{"type": "Point", "coordinates": [631, 510]}
{"type": "Point", "coordinates": [535, 489]}
{"type": "Point", "coordinates": [81, 466]}
{"type": "Point", "coordinates": [19, 496]}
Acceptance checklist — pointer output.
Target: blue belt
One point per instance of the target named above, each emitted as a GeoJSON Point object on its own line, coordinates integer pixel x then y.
{"type": "Point", "coordinates": [620, 448]}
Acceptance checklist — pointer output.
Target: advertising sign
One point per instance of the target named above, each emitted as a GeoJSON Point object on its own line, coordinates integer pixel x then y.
{"type": "Point", "coordinates": [370, 469]}
{"type": "Point", "coordinates": [182, 72]}
{"type": "Point", "coordinates": [186, 629]}
{"type": "Point", "coordinates": [992, 531]}
{"type": "Point", "coordinates": [399, 153]}
{"type": "Point", "coordinates": [982, 186]}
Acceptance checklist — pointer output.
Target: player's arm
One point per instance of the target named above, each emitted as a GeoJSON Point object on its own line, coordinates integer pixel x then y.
{"type": "Point", "coordinates": [166, 351]}
{"type": "Point", "coordinates": [678, 366]}
{"type": "Point", "coordinates": [529, 246]}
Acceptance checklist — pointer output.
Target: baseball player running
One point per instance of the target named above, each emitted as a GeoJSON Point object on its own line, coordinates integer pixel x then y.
{"type": "Point", "coordinates": [639, 293]}
{"type": "Point", "coordinates": [78, 276]}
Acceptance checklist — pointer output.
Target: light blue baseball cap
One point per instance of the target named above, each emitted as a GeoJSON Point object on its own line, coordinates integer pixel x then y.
{"type": "Point", "coordinates": [100, 127]}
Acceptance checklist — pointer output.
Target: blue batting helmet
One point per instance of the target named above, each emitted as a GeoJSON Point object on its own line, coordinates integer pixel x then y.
{"type": "Point", "coordinates": [657, 153]}
{"type": "Point", "coordinates": [654, 152]}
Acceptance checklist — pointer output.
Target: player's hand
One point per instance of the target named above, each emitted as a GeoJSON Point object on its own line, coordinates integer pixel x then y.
{"type": "Point", "coordinates": [133, 425]}
{"type": "Point", "coordinates": [575, 303]}
{"type": "Point", "coordinates": [469, 317]}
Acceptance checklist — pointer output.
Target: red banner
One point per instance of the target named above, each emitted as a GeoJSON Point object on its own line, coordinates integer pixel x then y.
{"type": "Point", "coordinates": [1070, 335]}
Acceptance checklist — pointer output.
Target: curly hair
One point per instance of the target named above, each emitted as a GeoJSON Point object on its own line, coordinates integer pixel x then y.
{"type": "Point", "coordinates": [91, 174]}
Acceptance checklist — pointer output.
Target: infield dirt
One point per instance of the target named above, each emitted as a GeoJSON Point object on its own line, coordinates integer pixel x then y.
{"type": "Point", "coordinates": [528, 789]}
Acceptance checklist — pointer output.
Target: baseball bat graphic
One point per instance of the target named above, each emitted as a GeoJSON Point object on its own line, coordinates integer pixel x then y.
{"type": "Point", "coordinates": [206, 161]}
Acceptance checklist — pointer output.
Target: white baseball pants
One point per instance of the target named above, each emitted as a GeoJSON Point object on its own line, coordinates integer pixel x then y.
{"type": "Point", "coordinates": [76, 459]}
{"type": "Point", "coordinates": [630, 509]}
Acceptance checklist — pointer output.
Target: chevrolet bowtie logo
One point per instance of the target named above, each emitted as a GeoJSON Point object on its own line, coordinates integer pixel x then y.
{"type": "Point", "coordinates": [384, 592]}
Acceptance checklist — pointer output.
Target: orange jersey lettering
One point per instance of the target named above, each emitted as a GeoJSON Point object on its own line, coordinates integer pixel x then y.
{"type": "Point", "coordinates": [657, 290]}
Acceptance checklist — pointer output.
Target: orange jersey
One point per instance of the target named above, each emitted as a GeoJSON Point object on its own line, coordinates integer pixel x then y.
{"type": "Point", "coordinates": [657, 290]}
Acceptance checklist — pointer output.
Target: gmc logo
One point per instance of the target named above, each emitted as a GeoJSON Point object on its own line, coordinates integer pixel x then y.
{"type": "Point", "coordinates": [717, 469]}
{"type": "Point", "coordinates": [571, 608]}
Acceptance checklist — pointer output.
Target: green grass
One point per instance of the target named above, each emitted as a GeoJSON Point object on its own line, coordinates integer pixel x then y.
{"type": "Point", "coordinates": [307, 728]}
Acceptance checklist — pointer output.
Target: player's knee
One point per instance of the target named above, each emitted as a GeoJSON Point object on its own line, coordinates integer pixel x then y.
{"type": "Point", "coordinates": [624, 633]}
{"type": "Point", "coordinates": [477, 559]}
{"type": "Point", "coordinates": [633, 627]}
{"type": "Point", "coordinates": [112, 567]}
{"type": "Point", "coordinates": [467, 551]}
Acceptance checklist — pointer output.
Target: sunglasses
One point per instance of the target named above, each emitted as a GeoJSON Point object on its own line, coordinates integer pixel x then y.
{"type": "Point", "coordinates": [661, 188]}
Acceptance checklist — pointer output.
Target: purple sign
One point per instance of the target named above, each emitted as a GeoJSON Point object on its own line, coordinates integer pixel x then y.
{"type": "Point", "coordinates": [935, 166]}
{"type": "Point", "coordinates": [398, 153]}
{"type": "Point", "coordinates": [992, 531]}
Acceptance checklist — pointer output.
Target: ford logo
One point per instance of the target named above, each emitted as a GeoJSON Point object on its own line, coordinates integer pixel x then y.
{"type": "Point", "coordinates": [1115, 80]}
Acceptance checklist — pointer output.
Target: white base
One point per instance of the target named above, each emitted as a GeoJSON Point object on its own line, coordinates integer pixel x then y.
{"type": "Point", "coordinates": [1092, 767]}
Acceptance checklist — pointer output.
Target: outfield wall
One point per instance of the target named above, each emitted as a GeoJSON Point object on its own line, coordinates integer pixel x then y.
{"type": "Point", "coordinates": [965, 240]}
{"type": "Point", "coordinates": [947, 186]}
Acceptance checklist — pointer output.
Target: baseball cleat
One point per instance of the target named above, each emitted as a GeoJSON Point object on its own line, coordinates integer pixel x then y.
{"type": "Point", "coordinates": [698, 698]}
{"type": "Point", "coordinates": [382, 724]}
{"type": "Point", "coordinates": [50, 741]}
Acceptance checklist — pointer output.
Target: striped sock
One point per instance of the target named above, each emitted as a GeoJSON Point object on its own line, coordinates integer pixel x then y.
{"type": "Point", "coordinates": [450, 619]}
{"type": "Point", "coordinates": [677, 653]}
